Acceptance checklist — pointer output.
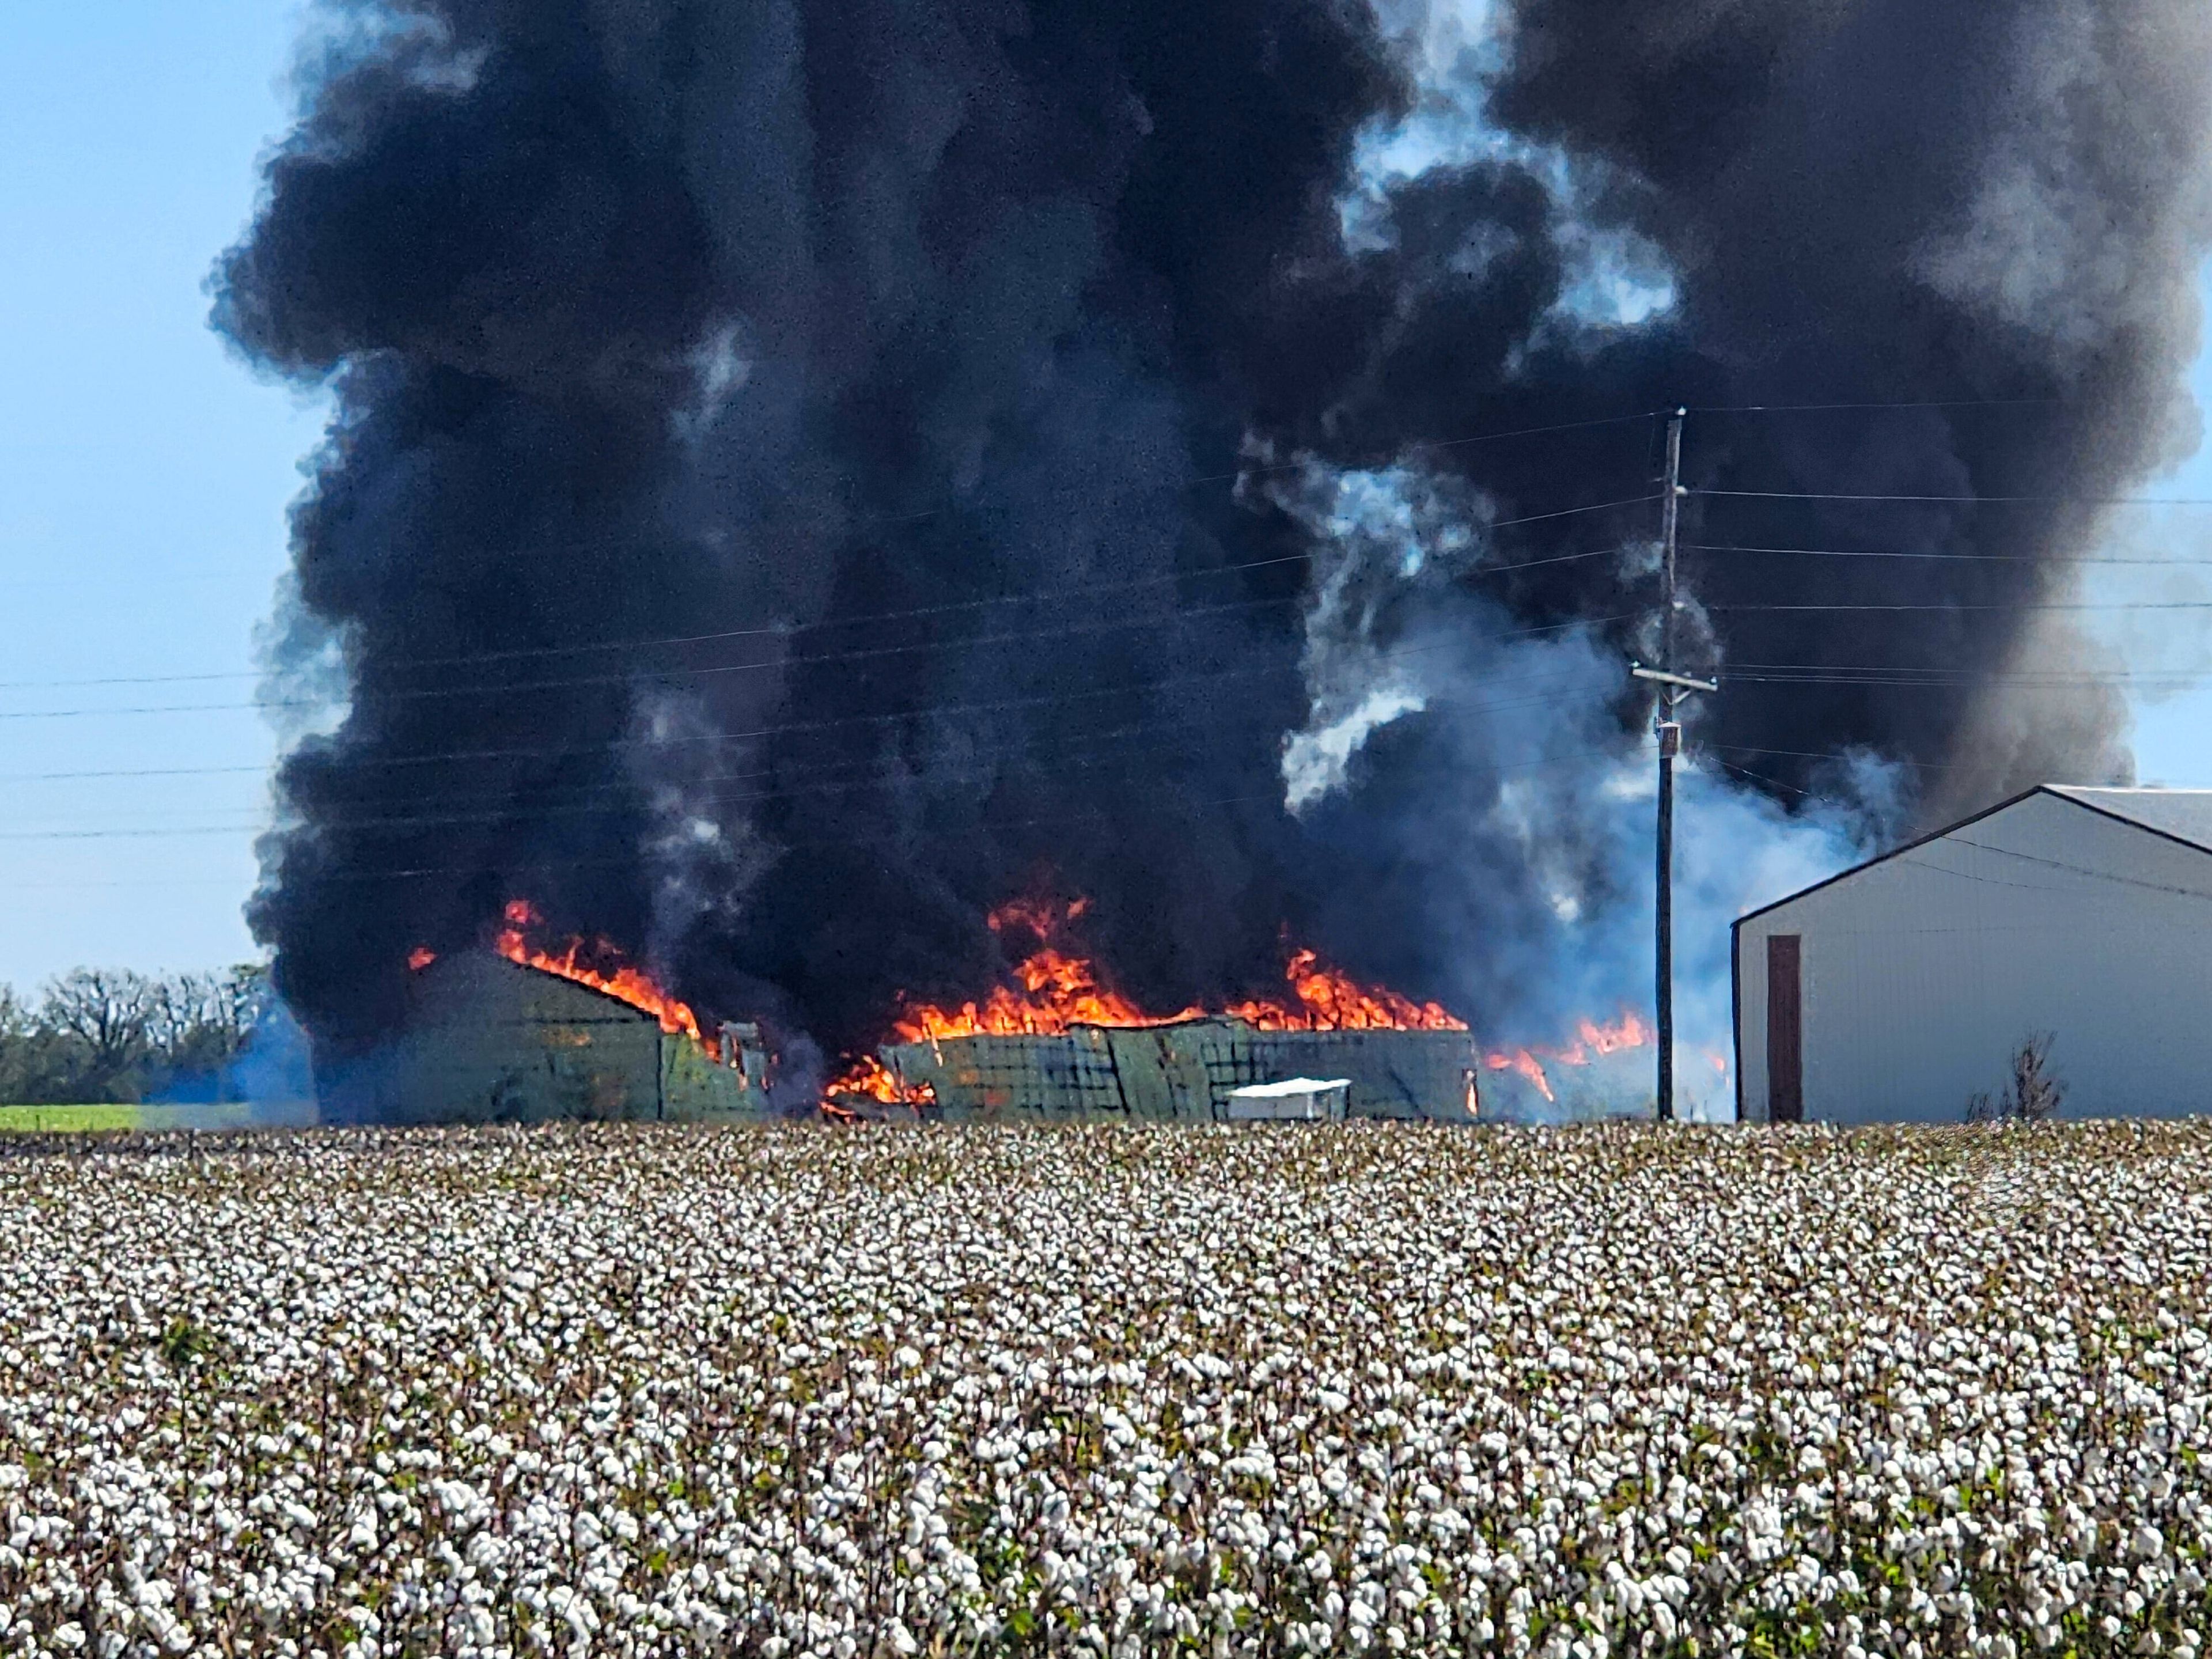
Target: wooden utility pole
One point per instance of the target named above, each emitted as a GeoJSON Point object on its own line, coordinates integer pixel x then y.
{"type": "Point", "coordinates": [1671, 689]}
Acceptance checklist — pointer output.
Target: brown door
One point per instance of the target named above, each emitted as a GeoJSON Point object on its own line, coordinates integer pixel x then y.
{"type": "Point", "coordinates": [1786, 1029]}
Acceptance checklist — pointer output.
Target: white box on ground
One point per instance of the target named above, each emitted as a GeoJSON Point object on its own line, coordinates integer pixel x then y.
{"type": "Point", "coordinates": [1293, 1100]}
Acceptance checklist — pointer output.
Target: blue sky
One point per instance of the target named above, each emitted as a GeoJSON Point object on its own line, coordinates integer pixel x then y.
{"type": "Point", "coordinates": [2172, 733]}
{"type": "Point", "coordinates": [144, 474]}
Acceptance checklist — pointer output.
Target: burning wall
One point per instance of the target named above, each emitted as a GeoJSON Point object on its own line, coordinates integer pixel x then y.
{"type": "Point", "coordinates": [1181, 1072]}
{"type": "Point", "coordinates": [534, 1027]}
{"type": "Point", "coordinates": [487, 1039]}
{"type": "Point", "coordinates": [1060, 1040]}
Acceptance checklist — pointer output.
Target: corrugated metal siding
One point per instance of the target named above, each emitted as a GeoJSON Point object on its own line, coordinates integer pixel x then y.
{"type": "Point", "coordinates": [1184, 1073]}
{"type": "Point", "coordinates": [695, 1085]}
{"type": "Point", "coordinates": [490, 1041]}
{"type": "Point", "coordinates": [1069, 1076]}
{"type": "Point", "coordinates": [1922, 974]}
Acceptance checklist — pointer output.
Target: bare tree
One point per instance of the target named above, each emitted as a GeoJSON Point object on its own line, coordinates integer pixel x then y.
{"type": "Point", "coordinates": [111, 1035]}
{"type": "Point", "coordinates": [101, 1016]}
{"type": "Point", "coordinates": [203, 1022]}
{"type": "Point", "coordinates": [27, 1050]}
{"type": "Point", "coordinates": [2031, 1094]}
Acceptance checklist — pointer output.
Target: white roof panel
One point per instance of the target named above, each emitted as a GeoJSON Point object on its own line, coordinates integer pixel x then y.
{"type": "Point", "coordinates": [2185, 814]}
{"type": "Point", "coordinates": [1290, 1085]}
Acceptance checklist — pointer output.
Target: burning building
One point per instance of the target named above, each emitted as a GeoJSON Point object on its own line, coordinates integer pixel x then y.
{"type": "Point", "coordinates": [517, 1032]}
{"type": "Point", "coordinates": [795, 472]}
{"type": "Point", "coordinates": [514, 1034]}
{"type": "Point", "coordinates": [1189, 1071]}
{"type": "Point", "coordinates": [1059, 1043]}
{"type": "Point", "coordinates": [1183, 1072]}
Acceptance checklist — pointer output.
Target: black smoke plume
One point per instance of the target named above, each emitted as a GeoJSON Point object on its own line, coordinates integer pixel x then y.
{"type": "Point", "coordinates": [802, 473]}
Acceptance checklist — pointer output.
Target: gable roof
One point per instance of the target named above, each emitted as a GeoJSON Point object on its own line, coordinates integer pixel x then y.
{"type": "Point", "coordinates": [2178, 815]}
{"type": "Point", "coordinates": [2182, 814]}
{"type": "Point", "coordinates": [440, 988]}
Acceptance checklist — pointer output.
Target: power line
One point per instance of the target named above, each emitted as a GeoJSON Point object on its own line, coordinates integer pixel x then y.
{"type": "Point", "coordinates": [1947, 605]}
{"type": "Point", "coordinates": [575, 682]}
{"type": "Point", "coordinates": [1828, 755]}
{"type": "Point", "coordinates": [185, 708]}
{"type": "Point", "coordinates": [1928, 677]}
{"type": "Point", "coordinates": [787, 631]}
{"type": "Point", "coordinates": [885, 769]}
{"type": "Point", "coordinates": [781, 630]}
{"type": "Point", "coordinates": [522, 815]}
{"type": "Point", "coordinates": [1273, 796]}
{"type": "Point", "coordinates": [525, 811]}
{"type": "Point", "coordinates": [1980, 558]}
{"type": "Point", "coordinates": [1570, 511]}
{"type": "Point", "coordinates": [520, 801]}
{"type": "Point", "coordinates": [2050, 676]}
{"type": "Point", "coordinates": [1433, 443]}
{"type": "Point", "coordinates": [999, 706]}
{"type": "Point", "coordinates": [135, 772]}
{"type": "Point", "coordinates": [1813, 409]}
{"type": "Point", "coordinates": [1014, 768]}
{"type": "Point", "coordinates": [772, 521]}
{"type": "Point", "coordinates": [1963, 500]}
{"type": "Point", "coordinates": [735, 737]}
{"type": "Point", "coordinates": [1899, 674]}
{"type": "Point", "coordinates": [487, 866]}
{"type": "Point", "coordinates": [1968, 677]}
{"type": "Point", "coordinates": [1915, 859]}
{"type": "Point", "coordinates": [2077, 869]}
{"type": "Point", "coordinates": [1930, 682]}
{"type": "Point", "coordinates": [1761, 777]}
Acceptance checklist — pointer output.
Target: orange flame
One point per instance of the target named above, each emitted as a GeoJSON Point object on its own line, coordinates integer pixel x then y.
{"type": "Point", "coordinates": [623, 982]}
{"type": "Point", "coordinates": [1057, 990]}
{"type": "Point", "coordinates": [1591, 1037]}
{"type": "Point", "coordinates": [1329, 1001]}
{"type": "Point", "coordinates": [1521, 1061]}
{"type": "Point", "coordinates": [871, 1077]}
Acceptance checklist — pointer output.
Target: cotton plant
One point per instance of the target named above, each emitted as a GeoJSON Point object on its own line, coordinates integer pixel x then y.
{"type": "Point", "coordinates": [1362, 1389]}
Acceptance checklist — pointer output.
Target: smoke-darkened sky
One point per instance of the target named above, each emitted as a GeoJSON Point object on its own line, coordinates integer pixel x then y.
{"type": "Point", "coordinates": [803, 475]}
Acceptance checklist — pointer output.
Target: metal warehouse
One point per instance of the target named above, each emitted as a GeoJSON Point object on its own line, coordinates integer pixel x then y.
{"type": "Point", "coordinates": [1186, 1071]}
{"type": "Point", "coordinates": [1899, 990]}
{"type": "Point", "coordinates": [488, 1039]}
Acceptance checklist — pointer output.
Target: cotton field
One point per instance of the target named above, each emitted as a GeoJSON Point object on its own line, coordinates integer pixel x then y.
{"type": "Point", "coordinates": [1369, 1389]}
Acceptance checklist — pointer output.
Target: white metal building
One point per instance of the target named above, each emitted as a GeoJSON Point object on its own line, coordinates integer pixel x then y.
{"type": "Point", "coordinates": [1897, 990]}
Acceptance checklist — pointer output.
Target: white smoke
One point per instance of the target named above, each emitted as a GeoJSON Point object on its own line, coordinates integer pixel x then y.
{"type": "Point", "coordinates": [702, 855]}
{"type": "Point", "coordinates": [1615, 278]}
{"type": "Point", "coordinates": [1374, 535]}
{"type": "Point", "coordinates": [1315, 759]}
{"type": "Point", "coordinates": [719, 365]}
{"type": "Point", "coordinates": [1394, 628]}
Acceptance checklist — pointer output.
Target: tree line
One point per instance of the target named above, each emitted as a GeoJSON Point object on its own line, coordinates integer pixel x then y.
{"type": "Point", "coordinates": [109, 1035]}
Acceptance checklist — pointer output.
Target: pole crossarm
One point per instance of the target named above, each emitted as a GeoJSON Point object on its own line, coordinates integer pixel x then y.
{"type": "Point", "coordinates": [1664, 678]}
